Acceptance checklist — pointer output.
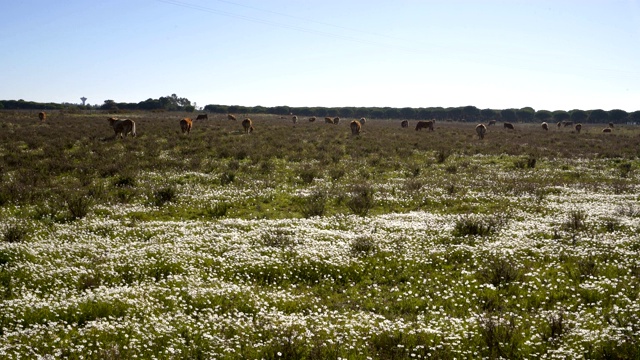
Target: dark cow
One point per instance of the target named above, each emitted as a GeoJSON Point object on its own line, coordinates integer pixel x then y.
{"type": "Point", "coordinates": [123, 127]}
{"type": "Point", "coordinates": [312, 119]}
{"type": "Point", "coordinates": [491, 123]}
{"type": "Point", "coordinates": [567, 123]}
{"type": "Point", "coordinates": [336, 120]}
{"type": "Point", "coordinates": [481, 130]}
{"type": "Point", "coordinates": [186, 124]}
{"type": "Point", "coordinates": [509, 126]}
{"type": "Point", "coordinates": [42, 116]}
{"type": "Point", "coordinates": [611, 125]}
{"type": "Point", "coordinates": [606, 130]}
{"type": "Point", "coordinates": [578, 128]}
{"type": "Point", "coordinates": [404, 123]}
{"type": "Point", "coordinates": [424, 125]}
{"type": "Point", "coordinates": [247, 125]}
{"type": "Point", "coordinates": [231, 117]}
{"type": "Point", "coordinates": [202, 117]}
{"type": "Point", "coordinates": [355, 127]}
{"type": "Point", "coordinates": [328, 120]}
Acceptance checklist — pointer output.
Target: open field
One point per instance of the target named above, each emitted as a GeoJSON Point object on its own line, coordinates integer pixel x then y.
{"type": "Point", "coordinates": [302, 241]}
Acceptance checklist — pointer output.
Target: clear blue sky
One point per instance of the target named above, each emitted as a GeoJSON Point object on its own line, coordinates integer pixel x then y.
{"type": "Point", "coordinates": [552, 55]}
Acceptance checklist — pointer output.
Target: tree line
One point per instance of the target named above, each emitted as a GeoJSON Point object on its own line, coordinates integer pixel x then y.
{"type": "Point", "coordinates": [464, 113]}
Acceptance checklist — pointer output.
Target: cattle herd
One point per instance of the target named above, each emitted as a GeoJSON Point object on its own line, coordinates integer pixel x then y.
{"type": "Point", "coordinates": [123, 127]}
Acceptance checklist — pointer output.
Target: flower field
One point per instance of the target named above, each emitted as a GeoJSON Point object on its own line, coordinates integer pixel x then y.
{"type": "Point", "coordinates": [306, 242]}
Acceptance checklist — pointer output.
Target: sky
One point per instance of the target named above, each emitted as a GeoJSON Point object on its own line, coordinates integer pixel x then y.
{"type": "Point", "coordinates": [498, 54]}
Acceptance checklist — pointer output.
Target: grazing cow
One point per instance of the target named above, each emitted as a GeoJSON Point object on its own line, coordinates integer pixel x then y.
{"type": "Point", "coordinates": [312, 119]}
{"type": "Point", "coordinates": [295, 119]}
{"type": "Point", "coordinates": [355, 127]}
{"type": "Point", "coordinates": [491, 123]}
{"type": "Point", "coordinates": [186, 124]}
{"type": "Point", "coordinates": [123, 127]}
{"type": "Point", "coordinates": [611, 125]}
{"type": "Point", "coordinates": [481, 130]}
{"type": "Point", "coordinates": [559, 124]}
{"type": "Point", "coordinates": [404, 123]}
{"type": "Point", "coordinates": [231, 117]}
{"type": "Point", "coordinates": [578, 128]}
{"type": "Point", "coordinates": [42, 116]}
{"type": "Point", "coordinates": [606, 130]}
{"type": "Point", "coordinates": [424, 125]}
{"type": "Point", "coordinates": [247, 125]}
{"type": "Point", "coordinates": [545, 126]}
{"type": "Point", "coordinates": [328, 120]}
{"type": "Point", "coordinates": [336, 120]}
{"type": "Point", "coordinates": [363, 121]}
{"type": "Point", "coordinates": [567, 123]}
{"type": "Point", "coordinates": [509, 126]}
{"type": "Point", "coordinates": [202, 117]}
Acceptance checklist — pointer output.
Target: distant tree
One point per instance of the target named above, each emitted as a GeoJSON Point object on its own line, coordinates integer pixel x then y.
{"type": "Point", "coordinates": [424, 114]}
{"type": "Point", "coordinates": [320, 111]}
{"type": "Point", "coordinates": [333, 112]}
{"type": "Point", "coordinates": [470, 113]}
{"type": "Point", "coordinates": [189, 108]}
{"type": "Point", "coordinates": [407, 113]}
{"type": "Point", "coordinates": [543, 115]}
{"type": "Point", "coordinates": [150, 104]}
{"type": "Point", "coordinates": [525, 114]}
{"type": "Point", "coordinates": [598, 116]}
{"type": "Point", "coordinates": [635, 116]}
{"type": "Point", "coordinates": [438, 113]}
{"type": "Point", "coordinates": [259, 110]}
{"type": "Point", "coordinates": [508, 115]}
{"type": "Point", "coordinates": [1, 105]}
{"type": "Point", "coordinates": [618, 116]}
{"type": "Point", "coordinates": [391, 113]}
{"type": "Point", "coordinates": [361, 112]}
{"type": "Point", "coordinates": [217, 109]}
{"type": "Point", "coordinates": [109, 105]}
{"type": "Point", "coordinates": [454, 113]}
{"type": "Point", "coordinates": [281, 110]}
{"type": "Point", "coordinates": [488, 114]}
{"type": "Point", "coordinates": [346, 112]}
{"type": "Point", "coordinates": [377, 114]}
{"type": "Point", "coordinates": [560, 116]}
{"type": "Point", "coordinates": [578, 116]}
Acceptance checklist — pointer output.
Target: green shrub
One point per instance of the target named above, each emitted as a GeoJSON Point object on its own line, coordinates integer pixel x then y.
{"type": "Point", "coordinates": [314, 205]}
{"type": "Point", "coordinates": [361, 200]}
{"type": "Point", "coordinates": [164, 195]}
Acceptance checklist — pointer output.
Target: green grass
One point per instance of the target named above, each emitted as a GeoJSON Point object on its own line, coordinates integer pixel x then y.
{"type": "Point", "coordinates": [306, 242]}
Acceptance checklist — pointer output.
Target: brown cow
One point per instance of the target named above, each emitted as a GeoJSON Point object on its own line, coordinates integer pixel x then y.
{"type": "Point", "coordinates": [363, 121]}
{"type": "Point", "coordinates": [606, 130]}
{"type": "Point", "coordinates": [336, 120]}
{"type": "Point", "coordinates": [559, 124]}
{"type": "Point", "coordinates": [578, 128]}
{"type": "Point", "coordinates": [481, 130]}
{"type": "Point", "coordinates": [404, 123]}
{"type": "Point", "coordinates": [567, 123]}
{"type": "Point", "coordinates": [545, 126]}
{"type": "Point", "coordinates": [355, 127]}
{"type": "Point", "coordinates": [295, 119]}
{"type": "Point", "coordinates": [312, 119]}
{"type": "Point", "coordinates": [328, 120]}
{"type": "Point", "coordinates": [611, 125]}
{"type": "Point", "coordinates": [509, 126]}
{"type": "Point", "coordinates": [491, 123]}
{"type": "Point", "coordinates": [247, 125]}
{"type": "Point", "coordinates": [424, 125]}
{"type": "Point", "coordinates": [231, 117]}
{"type": "Point", "coordinates": [42, 116]}
{"type": "Point", "coordinates": [202, 117]}
{"type": "Point", "coordinates": [123, 127]}
{"type": "Point", "coordinates": [186, 124]}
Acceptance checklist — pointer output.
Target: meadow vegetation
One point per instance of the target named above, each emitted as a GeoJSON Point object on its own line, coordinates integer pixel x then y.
{"type": "Point", "coordinates": [303, 241]}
